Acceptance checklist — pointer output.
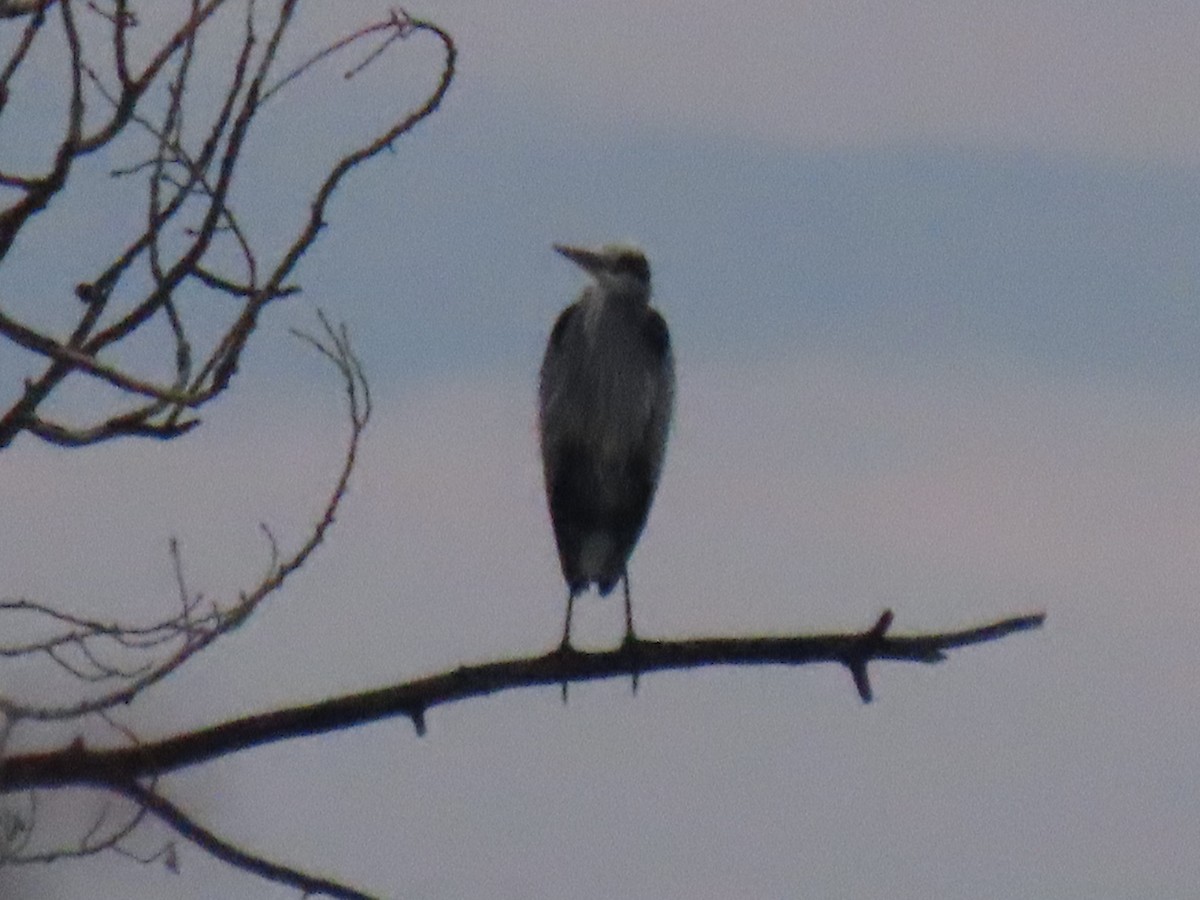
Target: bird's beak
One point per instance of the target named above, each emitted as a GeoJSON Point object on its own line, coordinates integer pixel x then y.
{"type": "Point", "coordinates": [587, 259]}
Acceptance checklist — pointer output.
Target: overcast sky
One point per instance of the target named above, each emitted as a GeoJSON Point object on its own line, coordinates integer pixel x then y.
{"type": "Point", "coordinates": [932, 272]}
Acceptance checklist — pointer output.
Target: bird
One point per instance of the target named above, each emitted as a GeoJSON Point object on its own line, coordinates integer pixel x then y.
{"type": "Point", "coordinates": [605, 399]}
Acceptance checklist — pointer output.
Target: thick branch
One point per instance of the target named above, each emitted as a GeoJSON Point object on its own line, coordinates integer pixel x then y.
{"type": "Point", "coordinates": [11, 9]}
{"type": "Point", "coordinates": [76, 765]}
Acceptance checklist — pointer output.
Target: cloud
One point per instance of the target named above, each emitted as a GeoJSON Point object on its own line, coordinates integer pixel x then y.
{"type": "Point", "coordinates": [1114, 79]}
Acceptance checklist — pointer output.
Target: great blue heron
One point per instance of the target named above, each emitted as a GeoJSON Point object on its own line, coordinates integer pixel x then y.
{"type": "Point", "coordinates": [606, 392]}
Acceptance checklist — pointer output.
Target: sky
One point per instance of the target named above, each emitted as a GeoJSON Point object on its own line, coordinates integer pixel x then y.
{"type": "Point", "coordinates": [932, 274]}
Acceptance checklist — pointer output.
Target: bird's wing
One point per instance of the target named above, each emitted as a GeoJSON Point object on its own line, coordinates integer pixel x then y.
{"type": "Point", "coordinates": [661, 405]}
{"type": "Point", "coordinates": [566, 462]}
{"type": "Point", "coordinates": [550, 410]}
{"type": "Point", "coordinates": [658, 339]}
{"type": "Point", "coordinates": [560, 328]}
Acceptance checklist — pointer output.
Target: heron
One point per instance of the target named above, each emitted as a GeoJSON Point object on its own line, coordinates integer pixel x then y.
{"type": "Point", "coordinates": [606, 394]}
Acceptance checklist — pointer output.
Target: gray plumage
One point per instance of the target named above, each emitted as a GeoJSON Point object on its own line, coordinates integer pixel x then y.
{"type": "Point", "coordinates": [605, 399]}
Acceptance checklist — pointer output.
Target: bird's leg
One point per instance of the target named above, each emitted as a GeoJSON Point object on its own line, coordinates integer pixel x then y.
{"type": "Point", "coordinates": [565, 647]}
{"type": "Point", "coordinates": [630, 637]}
{"type": "Point", "coordinates": [566, 638]}
{"type": "Point", "coordinates": [630, 642]}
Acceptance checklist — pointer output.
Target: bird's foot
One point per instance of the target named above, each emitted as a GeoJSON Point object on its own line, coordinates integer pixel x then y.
{"type": "Point", "coordinates": [629, 646]}
{"type": "Point", "coordinates": [565, 650]}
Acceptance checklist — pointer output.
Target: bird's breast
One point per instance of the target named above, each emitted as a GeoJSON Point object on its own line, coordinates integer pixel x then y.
{"type": "Point", "coordinates": [615, 391]}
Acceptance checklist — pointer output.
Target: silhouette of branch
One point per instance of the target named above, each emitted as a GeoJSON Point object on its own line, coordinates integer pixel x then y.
{"type": "Point", "coordinates": [113, 768]}
{"type": "Point", "coordinates": [187, 827]}
{"type": "Point", "coordinates": [11, 9]}
{"type": "Point", "coordinates": [85, 646]}
{"type": "Point", "coordinates": [100, 837]}
{"type": "Point", "coordinates": [176, 259]}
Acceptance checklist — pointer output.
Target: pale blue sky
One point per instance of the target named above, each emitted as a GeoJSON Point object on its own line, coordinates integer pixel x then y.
{"type": "Point", "coordinates": [933, 276]}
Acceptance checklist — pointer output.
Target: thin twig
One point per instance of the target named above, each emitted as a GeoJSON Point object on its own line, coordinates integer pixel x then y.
{"type": "Point", "coordinates": [183, 824]}
{"type": "Point", "coordinates": [186, 633]}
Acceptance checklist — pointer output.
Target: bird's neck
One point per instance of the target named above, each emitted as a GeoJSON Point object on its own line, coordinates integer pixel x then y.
{"type": "Point", "coordinates": [618, 296]}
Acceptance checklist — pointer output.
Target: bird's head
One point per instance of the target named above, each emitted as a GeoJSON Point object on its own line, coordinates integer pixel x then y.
{"type": "Point", "coordinates": [617, 268]}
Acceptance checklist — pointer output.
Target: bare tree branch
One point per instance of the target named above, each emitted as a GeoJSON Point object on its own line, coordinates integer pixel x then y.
{"type": "Point", "coordinates": [170, 814]}
{"type": "Point", "coordinates": [188, 247]}
{"type": "Point", "coordinates": [80, 644]}
{"type": "Point", "coordinates": [76, 765]}
{"type": "Point", "coordinates": [12, 9]}
{"type": "Point", "coordinates": [192, 179]}
{"type": "Point", "coordinates": [100, 836]}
